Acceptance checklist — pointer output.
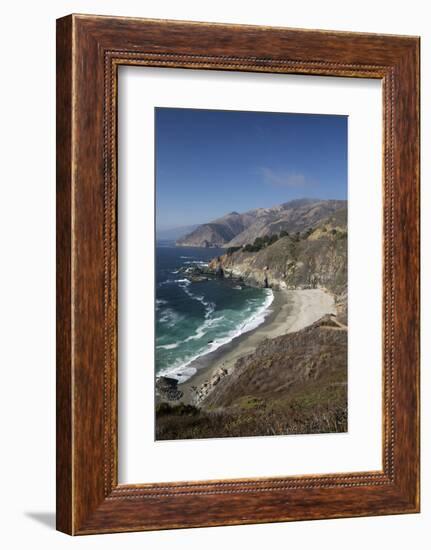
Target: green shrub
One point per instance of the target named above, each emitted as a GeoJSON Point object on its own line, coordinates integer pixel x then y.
{"type": "Point", "coordinates": [163, 409]}
{"type": "Point", "coordinates": [307, 233]}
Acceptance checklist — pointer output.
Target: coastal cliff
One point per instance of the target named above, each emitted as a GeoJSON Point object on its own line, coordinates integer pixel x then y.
{"type": "Point", "coordinates": [317, 258]}
{"type": "Point", "coordinates": [294, 382]}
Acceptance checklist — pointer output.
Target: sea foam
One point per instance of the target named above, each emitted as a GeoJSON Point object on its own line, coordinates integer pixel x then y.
{"type": "Point", "coordinates": [183, 370]}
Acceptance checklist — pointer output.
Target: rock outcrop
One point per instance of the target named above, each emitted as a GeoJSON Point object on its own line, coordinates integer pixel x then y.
{"type": "Point", "coordinates": [316, 259]}
{"type": "Point", "coordinates": [167, 389]}
{"type": "Point", "coordinates": [201, 392]}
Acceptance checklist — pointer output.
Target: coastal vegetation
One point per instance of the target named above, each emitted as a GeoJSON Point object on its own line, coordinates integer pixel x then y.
{"type": "Point", "coordinates": [291, 384]}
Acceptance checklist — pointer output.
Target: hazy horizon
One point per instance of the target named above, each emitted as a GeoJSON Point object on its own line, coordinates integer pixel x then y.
{"type": "Point", "coordinates": [209, 163]}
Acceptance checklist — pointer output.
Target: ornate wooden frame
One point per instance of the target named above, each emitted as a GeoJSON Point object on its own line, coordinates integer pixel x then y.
{"type": "Point", "coordinates": [89, 51]}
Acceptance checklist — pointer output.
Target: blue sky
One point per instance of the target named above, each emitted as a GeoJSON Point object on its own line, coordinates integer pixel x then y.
{"type": "Point", "coordinates": [209, 163]}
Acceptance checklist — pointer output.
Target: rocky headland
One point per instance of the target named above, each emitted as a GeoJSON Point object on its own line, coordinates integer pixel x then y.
{"type": "Point", "coordinates": [290, 374]}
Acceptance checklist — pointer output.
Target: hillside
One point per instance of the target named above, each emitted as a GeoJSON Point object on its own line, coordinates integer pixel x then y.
{"type": "Point", "coordinates": [236, 229]}
{"type": "Point", "coordinates": [293, 384]}
{"type": "Point", "coordinates": [317, 258]}
{"type": "Point", "coordinates": [290, 384]}
{"type": "Point", "coordinates": [218, 232]}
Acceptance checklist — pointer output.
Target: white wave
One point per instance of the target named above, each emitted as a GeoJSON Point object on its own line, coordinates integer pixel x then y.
{"type": "Point", "coordinates": [179, 373]}
{"type": "Point", "coordinates": [167, 282]}
{"type": "Point", "coordinates": [169, 317]}
{"type": "Point", "coordinates": [203, 329]}
{"type": "Point", "coordinates": [160, 302]}
{"type": "Point", "coordinates": [182, 370]}
{"type": "Point", "coordinates": [169, 346]}
{"type": "Point", "coordinates": [209, 306]}
{"type": "Point", "coordinates": [186, 282]}
{"type": "Point", "coordinates": [174, 282]}
{"type": "Point", "coordinates": [197, 262]}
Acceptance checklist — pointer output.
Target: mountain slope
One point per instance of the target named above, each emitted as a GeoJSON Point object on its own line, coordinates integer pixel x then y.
{"type": "Point", "coordinates": [317, 258]}
{"type": "Point", "coordinates": [293, 383]}
{"type": "Point", "coordinates": [292, 217]}
{"type": "Point", "coordinates": [236, 229]}
{"type": "Point", "coordinates": [280, 367]}
{"type": "Point", "coordinates": [218, 232]}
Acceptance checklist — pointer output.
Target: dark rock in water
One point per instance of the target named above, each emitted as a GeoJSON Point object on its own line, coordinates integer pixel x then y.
{"type": "Point", "coordinates": [198, 279]}
{"type": "Point", "coordinates": [166, 382]}
{"type": "Point", "coordinates": [197, 273]}
{"type": "Point", "coordinates": [168, 388]}
{"type": "Point", "coordinates": [219, 272]}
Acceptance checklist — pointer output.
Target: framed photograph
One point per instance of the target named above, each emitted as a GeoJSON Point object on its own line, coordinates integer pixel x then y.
{"type": "Point", "coordinates": [237, 274]}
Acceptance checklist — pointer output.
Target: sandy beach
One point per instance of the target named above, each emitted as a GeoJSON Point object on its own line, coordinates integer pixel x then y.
{"type": "Point", "coordinates": [291, 310]}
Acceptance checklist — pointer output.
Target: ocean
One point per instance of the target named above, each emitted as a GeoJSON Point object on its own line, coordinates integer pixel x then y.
{"type": "Point", "coordinates": [196, 318]}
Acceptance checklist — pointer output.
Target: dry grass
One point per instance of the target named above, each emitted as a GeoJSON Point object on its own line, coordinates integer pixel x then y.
{"type": "Point", "coordinates": [294, 419]}
{"type": "Point", "coordinates": [294, 384]}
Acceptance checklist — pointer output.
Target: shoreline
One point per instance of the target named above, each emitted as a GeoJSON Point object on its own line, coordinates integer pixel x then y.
{"type": "Point", "coordinates": [291, 310]}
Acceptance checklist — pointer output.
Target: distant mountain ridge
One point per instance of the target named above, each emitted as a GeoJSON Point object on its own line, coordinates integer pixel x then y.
{"type": "Point", "coordinates": [174, 233]}
{"type": "Point", "coordinates": [235, 229]}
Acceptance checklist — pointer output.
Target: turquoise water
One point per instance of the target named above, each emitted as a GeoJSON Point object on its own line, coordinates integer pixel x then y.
{"type": "Point", "coordinates": [193, 319]}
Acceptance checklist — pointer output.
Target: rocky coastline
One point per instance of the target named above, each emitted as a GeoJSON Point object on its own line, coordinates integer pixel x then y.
{"type": "Point", "coordinates": [306, 334]}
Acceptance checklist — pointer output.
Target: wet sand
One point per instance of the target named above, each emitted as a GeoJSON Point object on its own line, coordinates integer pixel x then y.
{"type": "Point", "coordinates": [291, 310]}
